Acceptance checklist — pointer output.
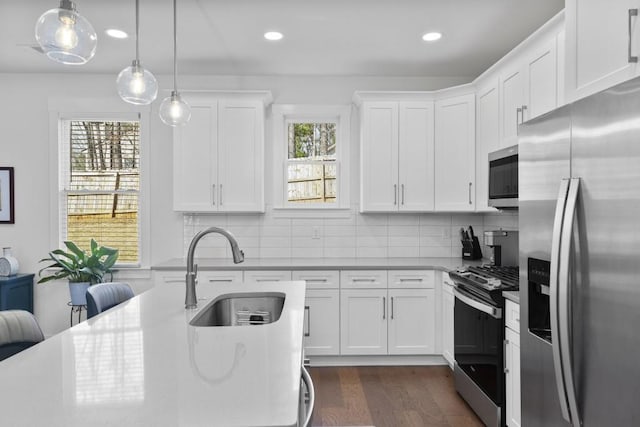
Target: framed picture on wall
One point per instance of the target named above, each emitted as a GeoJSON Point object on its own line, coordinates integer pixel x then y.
{"type": "Point", "coordinates": [6, 196]}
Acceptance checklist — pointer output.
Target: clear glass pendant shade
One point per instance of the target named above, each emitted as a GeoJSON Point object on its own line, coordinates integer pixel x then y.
{"type": "Point", "coordinates": [174, 111]}
{"type": "Point", "coordinates": [137, 85]}
{"type": "Point", "coordinates": [65, 36]}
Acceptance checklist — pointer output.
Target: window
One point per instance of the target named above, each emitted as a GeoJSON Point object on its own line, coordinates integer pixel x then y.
{"type": "Point", "coordinates": [313, 142]}
{"type": "Point", "coordinates": [100, 184]}
{"type": "Point", "coordinates": [311, 162]}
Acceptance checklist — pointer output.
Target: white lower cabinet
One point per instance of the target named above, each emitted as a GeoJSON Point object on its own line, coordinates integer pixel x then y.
{"type": "Point", "coordinates": [379, 321]}
{"type": "Point", "coordinates": [512, 364]}
{"type": "Point", "coordinates": [363, 321]}
{"type": "Point", "coordinates": [322, 312]}
{"type": "Point", "coordinates": [448, 301]}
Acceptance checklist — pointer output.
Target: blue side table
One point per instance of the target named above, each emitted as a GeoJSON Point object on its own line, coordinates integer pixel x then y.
{"type": "Point", "coordinates": [16, 292]}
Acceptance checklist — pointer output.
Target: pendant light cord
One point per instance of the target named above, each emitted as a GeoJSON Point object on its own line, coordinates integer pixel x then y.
{"type": "Point", "coordinates": [137, 31]}
{"type": "Point", "coordinates": [175, 49]}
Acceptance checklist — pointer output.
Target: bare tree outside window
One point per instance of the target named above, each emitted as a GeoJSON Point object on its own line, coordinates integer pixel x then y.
{"type": "Point", "coordinates": [103, 183]}
{"type": "Point", "coordinates": [311, 162]}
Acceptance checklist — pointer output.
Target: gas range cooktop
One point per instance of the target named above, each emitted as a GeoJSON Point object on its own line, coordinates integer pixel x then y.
{"type": "Point", "coordinates": [488, 281]}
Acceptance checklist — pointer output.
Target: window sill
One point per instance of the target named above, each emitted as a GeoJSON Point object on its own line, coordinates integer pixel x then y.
{"type": "Point", "coordinates": [304, 212]}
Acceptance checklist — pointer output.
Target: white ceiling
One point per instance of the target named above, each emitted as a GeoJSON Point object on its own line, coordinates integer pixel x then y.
{"type": "Point", "coordinates": [321, 37]}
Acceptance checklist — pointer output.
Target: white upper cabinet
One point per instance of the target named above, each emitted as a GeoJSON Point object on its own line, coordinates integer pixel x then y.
{"type": "Point", "coordinates": [603, 44]}
{"type": "Point", "coordinates": [455, 127]}
{"type": "Point", "coordinates": [487, 138]}
{"type": "Point", "coordinates": [218, 161]}
{"type": "Point", "coordinates": [528, 88]}
{"type": "Point", "coordinates": [397, 156]}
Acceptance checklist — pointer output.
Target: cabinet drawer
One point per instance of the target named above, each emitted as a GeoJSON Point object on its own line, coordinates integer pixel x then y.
{"type": "Point", "coordinates": [258, 276]}
{"type": "Point", "coordinates": [411, 279]}
{"type": "Point", "coordinates": [318, 279]}
{"type": "Point", "coordinates": [512, 315]}
{"type": "Point", "coordinates": [363, 279]}
{"type": "Point", "coordinates": [220, 277]}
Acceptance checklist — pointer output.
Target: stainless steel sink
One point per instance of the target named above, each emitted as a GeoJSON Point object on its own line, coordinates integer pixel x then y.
{"type": "Point", "coordinates": [240, 309]}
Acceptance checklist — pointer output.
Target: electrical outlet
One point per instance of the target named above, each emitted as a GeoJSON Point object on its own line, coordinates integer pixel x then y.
{"type": "Point", "coordinates": [315, 232]}
{"type": "Point", "coordinates": [446, 233]}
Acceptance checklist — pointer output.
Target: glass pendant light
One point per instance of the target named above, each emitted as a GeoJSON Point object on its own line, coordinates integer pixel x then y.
{"type": "Point", "coordinates": [65, 36]}
{"type": "Point", "coordinates": [174, 111]}
{"type": "Point", "coordinates": [135, 84]}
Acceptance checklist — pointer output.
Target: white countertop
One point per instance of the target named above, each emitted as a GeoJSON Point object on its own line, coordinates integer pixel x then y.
{"type": "Point", "coordinates": [141, 364]}
{"type": "Point", "coordinates": [320, 264]}
{"type": "Point", "coordinates": [512, 296]}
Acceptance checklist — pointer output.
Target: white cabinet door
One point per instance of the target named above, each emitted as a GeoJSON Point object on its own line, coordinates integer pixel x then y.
{"type": "Point", "coordinates": [322, 322]}
{"type": "Point", "coordinates": [512, 377]}
{"type": "Point", "coordinates": [455, 153]}
{"type": "Point", "coordinates": [379, 157]}
{"type": "Point", "coordinates": [541, 91]}
{"type": "Point", "coordinates": [194, 160]}
{"type": "Point", "coordinates": [487, 139]}
{"type": "Point", "coordinates": [598, 44]}
{"type": "Point", "coordinates": [240, 156]}
{"type": "Point", "coordinates": [363, 321]}
{"type": "Point", "coordinates": [447, 320]}
{"type": "Point", "coordinates": [411, 321]}
{"type": "Point", "coordinates": [512, 84]}
{"type": "Point", "coordinates": [415, 159]}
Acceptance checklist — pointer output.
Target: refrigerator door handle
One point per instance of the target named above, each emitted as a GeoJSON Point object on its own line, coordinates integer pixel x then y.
{"type": "Point", "coordinates": [553, 286]}
{"type": "Point", "coordinates": [564, 300]}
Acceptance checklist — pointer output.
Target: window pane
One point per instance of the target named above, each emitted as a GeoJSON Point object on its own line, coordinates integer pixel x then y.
{"type": "Point", "coordinates": [311, 182]}
{"type": "Point", "coordinates": [311, 141]}
{"type": "Point", "coordinates": [103, 186]}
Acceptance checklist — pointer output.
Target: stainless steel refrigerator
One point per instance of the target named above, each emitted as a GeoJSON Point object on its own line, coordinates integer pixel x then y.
{"type": "Point", "coordinates": [579, 178]}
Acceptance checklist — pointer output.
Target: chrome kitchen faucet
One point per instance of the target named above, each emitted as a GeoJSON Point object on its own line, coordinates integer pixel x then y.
{"type": "Point", "coordinates": [190, 300]}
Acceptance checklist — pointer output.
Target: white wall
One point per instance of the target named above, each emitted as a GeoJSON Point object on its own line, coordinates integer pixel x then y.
{"type": "Point", "coordinates": [24, 144]}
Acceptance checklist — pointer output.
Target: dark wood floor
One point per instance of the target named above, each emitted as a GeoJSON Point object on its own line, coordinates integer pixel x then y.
{"type": "Point", "coordinates": [411, 396]}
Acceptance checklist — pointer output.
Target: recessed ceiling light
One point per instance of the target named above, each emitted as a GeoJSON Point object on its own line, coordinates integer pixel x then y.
{"type": "Point", "coordinates": [431, 37]}
{"type": "Point", "coordinates": [273, 35]}
{"type": "Point", "coordinates": [116, 34]}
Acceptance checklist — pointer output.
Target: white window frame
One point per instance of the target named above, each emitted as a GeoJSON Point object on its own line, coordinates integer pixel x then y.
{"type": "Point", "coordinates": [282, 115]}
{"type": "Point", "coordinates": [99, 109]}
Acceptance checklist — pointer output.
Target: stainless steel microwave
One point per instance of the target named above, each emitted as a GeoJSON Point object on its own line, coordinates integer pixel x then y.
{"type": "Point", "coordinates": [503, 178]}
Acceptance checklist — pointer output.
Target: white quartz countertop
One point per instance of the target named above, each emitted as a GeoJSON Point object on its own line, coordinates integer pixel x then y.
{"type": "Point", "coordinates": [142, 364]}
{"type": "Point", "coordinates": [320, 264]}
{"type": "Point", "coordinates": [512, 296]}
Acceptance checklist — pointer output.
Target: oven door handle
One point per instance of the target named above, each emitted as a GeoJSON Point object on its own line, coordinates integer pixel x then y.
{"type": "Point", "coordinates": [472, 302]}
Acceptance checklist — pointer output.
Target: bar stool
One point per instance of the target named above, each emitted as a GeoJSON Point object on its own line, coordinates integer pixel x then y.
{"type": "Point", "coordinates": [103, 296]}
{"type": "Point", "coordinates": [19, 330]}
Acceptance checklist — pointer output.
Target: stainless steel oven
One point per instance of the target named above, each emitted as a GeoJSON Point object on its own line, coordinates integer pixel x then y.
{"type": "Point", "coordinates": [479, 336]}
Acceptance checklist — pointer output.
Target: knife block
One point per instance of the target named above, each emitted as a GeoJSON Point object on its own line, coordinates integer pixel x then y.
{"type": "Point", "coordinates": [471, 248]}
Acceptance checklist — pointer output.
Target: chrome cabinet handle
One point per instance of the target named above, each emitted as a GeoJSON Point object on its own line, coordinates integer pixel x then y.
{"type": "Point", "coordinates": [391, 308]}
{"type": "Point", "coordinates": [470, 184]}
{"type": "Point", "coordinates": [212, 280]}
{"type": "Point", "coordinates": [524, 108]}
{"type": "Point", "coordinates": [220, 194]}
{"type": "Point", "coordinates": [363, 279]}
{"type": "Point", "coordinates": [213, 194]}
{"type": "Point", "coordinates": [402, 187]}
{"type": "Point", "coordinates": [505, 342]}
{"type": "Point", "coordinates": [632, 59]}
{"type": "Point", "coordinates": [518, 112]}
{"type": "Point", "coordinates": [384, 306]}
{"type": "Point", "coordinates": [307, 309]}
{"type": "Point", "coordinates": [395, 194]}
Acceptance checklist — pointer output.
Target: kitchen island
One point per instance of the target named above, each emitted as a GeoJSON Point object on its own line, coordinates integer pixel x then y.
{"type": "Point", "coordinates": [142, 364]}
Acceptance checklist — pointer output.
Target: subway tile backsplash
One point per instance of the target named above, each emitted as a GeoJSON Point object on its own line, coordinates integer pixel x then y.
{"type": "Point", "coordinates": [429, 235]}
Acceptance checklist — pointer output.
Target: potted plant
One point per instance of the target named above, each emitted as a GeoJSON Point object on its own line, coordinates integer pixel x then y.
{"type": "Point", "coordinates": [82, 269]}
